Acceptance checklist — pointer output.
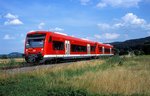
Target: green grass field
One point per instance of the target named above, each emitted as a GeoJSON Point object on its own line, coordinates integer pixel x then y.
{"type": "Point", "coordinates": [111, 76]}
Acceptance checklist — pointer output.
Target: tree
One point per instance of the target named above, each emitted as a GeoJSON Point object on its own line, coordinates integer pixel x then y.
{"type": "Point", "coordinates": [4, 57]}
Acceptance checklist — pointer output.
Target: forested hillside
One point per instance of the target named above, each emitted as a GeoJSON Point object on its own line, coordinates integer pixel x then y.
{"type": "Point", "coordinates": [138, 46]}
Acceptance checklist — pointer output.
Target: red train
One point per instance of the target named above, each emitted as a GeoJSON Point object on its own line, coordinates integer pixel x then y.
{"type": "Point", "coordinates": [41, 46]}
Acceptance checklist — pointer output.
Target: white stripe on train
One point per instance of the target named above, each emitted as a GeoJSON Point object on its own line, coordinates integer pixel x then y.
{"type": "Point", "coordinates": [80, 55]}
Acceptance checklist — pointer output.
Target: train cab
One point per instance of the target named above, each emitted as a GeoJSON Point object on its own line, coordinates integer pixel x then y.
{"type": "Point", "coordinates": [34, 46]}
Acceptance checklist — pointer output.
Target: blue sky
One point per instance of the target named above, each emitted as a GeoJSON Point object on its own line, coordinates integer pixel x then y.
{"type": "Point", "coordinates": [97, 20]}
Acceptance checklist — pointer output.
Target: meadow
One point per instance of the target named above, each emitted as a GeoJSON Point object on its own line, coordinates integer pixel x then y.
{"type": "Point", "coordinates": [11, 62]}
{"type": "Point", "coordinates": [113, 76]}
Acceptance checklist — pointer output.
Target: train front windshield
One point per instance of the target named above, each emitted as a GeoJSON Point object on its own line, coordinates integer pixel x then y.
{"type": "Point", "coordinates": [35, 40]}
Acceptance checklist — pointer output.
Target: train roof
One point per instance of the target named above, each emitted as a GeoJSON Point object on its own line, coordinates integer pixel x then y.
{"type": "Point", "coordinates": [62, 35]}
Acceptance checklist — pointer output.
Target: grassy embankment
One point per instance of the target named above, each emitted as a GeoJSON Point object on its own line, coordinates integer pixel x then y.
{"type": "Point", "coordinates": [112, 76]}
{"type": "Point", "coordinates": [11, 62]}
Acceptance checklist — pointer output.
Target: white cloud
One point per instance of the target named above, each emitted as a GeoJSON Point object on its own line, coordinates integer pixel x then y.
{"type": "Point", "coordinates": [128, 20]}
{"type": "Point", "coordinates": [8, 37]}
{"type": "Point", "coordinates": [104, 26]}
{"type": "Point", "coordinates": [111, 35]}
{"type": "Point", "coordinates": [107, 36]}
{"type": "Point", "coordinates": [118, 3]}
{"type": "Point", "coordinates": [117, 25]}
{"type": "Point", "coordinates": [13, 22]}
{"type": "Point", "coordinates": [12, 19]}
{"type": "Point", "coordinates": [133, 19]}
{"type": "Point", "coordinates": [124, 26]}
{"type": "Point", "coordinates": [10, 16]}
{"type": "Point", "coordinates": [147, 27]}
{"type": "Point", "coordinates": [84, 2]}
{"type": "Point", "coordinates": [101, 5]}
{"type": "Point", "coordinates": [97, 36]}
{"type": "Point", "coordinates": [56, 29]}
{"type": "Point", "coordinates": [40, 26]}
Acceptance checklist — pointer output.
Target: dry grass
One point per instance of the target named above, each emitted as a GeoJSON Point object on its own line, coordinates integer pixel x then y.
{"type": "Point", "coordinates": [74, 66]}
{"type": "Point", "coordinates": [117, 81]}
{"type": "Point", "coordinates": [12, 62]}
{"type": "Point", "coordinates": [131, 77]}
{"type": "Point", "coordinates": [5, 61]}
{"type": "Point", "coordinates": [125, 79]}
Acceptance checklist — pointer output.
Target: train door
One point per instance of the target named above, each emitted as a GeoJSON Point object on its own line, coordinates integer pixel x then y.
{"type": "Point", "coordinates": [88, 48]}
{"type": "Point", "coordinates": [103, 49]}
{"type": "Point", "coordinates": [110, 50]}
{"type": "Point", "coordinates": [67, 47]}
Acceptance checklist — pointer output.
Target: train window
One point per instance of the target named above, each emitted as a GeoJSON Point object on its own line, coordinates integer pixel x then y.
{"type": "Point", "coordinates": [50, 39]}
{"type": "Point", "coordinates": [58, 45]}
{"type": "Point", "coordinates": [93, 48]}
{"type": "Point", "coordinates": [78, 48]}
{"type": "Point", "coordinates": [100, 49]}
{"type": "Point", "coordinates": [35, 40]}
{"type": "Point", "coordinates": [107, 50]}
{"type": "Point", "coordinates": [33, 43]}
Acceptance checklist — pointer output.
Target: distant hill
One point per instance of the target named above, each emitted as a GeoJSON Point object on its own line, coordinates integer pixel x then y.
{"type": "Point", "coordinates": [15, 55]}
{"type": "Point", "coordinates": [141, 44]}
{"type": "Point", "coordinates": [132, 42]}
{"type": "Point", "coordinates": [11, 55]}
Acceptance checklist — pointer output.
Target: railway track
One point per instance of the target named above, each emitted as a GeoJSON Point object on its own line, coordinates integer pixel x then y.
{"type": "Point", "coordinates": [28, 68]}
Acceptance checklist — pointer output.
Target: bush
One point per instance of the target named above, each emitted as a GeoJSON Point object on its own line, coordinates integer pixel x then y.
{"type": "Point", "coordinates": [4, 57]}
{"type": "Point", "coordinates": [138, 52]}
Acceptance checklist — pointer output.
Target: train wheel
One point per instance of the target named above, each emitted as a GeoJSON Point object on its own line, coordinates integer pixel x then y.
{"type": "Point", "coordinates": [32, 59]}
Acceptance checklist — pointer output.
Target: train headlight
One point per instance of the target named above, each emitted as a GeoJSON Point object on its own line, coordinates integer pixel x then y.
{"type": "Point", "coordinates": [42, 49]}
